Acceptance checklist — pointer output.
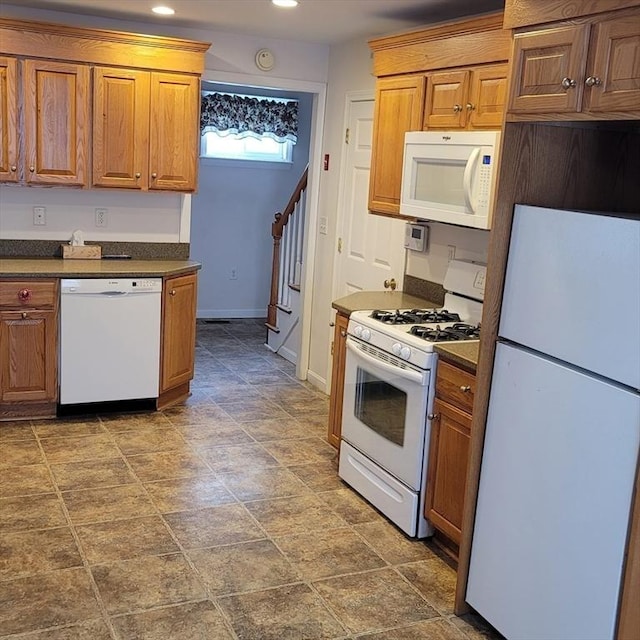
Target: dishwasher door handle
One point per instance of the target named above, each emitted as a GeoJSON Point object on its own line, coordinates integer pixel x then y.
{"type": "Point", "coordinates": [113, 293]}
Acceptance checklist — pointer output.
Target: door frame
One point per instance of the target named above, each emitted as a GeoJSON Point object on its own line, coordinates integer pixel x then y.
{"type": "Point", "coordinates": [319, 92]}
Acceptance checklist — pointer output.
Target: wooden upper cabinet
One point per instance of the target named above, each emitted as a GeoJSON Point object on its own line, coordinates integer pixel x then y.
{"type": "Point", "coordinates": [8, 120]}
{"type": "Point", "coordinates": [120, 128]}
{"type": "Point", "coordinates": [547, 69]}
{"type": "Point", "coordinates": [398, 109]}
{"type": "Point", "coordinates": [487, 97]}
{"type": "Point", "coordinates": [613, 80]}
{"type": "Point", "coordinates": [445, 103]}
{"type": "Point", "coordinates": [174, 131]}
{"type": "Point", "coordinates": [56, 122]}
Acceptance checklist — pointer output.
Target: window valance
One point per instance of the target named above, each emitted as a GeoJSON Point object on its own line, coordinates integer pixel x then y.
{"type": "Point", "coordinates": [249, 115]}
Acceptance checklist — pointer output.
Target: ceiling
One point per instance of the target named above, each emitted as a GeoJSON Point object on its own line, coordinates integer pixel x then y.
{"type": "Point", "coordinates": [317, 21]}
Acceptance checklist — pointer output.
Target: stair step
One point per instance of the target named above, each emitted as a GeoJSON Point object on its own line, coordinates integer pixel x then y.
{"type": "Point", "coordinates": [294, 286]}
{"type": "Point", "coordinates": [271, 327]}
{"type": "Point", "coordinates": [284, 309]}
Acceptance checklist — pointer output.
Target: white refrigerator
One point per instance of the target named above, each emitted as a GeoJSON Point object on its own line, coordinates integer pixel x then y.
{"type": "Point", "coordinates": [563, 429]}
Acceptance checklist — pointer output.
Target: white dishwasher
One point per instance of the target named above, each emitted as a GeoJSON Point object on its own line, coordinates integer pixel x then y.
{"type": "Point", "coordinates": [109, 339]}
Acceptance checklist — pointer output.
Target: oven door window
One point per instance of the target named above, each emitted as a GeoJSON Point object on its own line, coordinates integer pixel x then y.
{"type": "Point", "coordinates": [380, 406]}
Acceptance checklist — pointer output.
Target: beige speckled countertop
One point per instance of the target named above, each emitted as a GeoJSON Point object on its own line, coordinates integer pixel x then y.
{"type": "Point", "coordinates": [59, 268]}
{"type": "Point", "coordinates": [463, 354]}
{"type": "Point", "coordinates": [380, 300]}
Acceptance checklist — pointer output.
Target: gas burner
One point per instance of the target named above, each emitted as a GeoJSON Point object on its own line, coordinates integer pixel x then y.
{"type": "Point", "coordinates": [415, 316]}
{"type": "Point", "coordinates": [458, 331]}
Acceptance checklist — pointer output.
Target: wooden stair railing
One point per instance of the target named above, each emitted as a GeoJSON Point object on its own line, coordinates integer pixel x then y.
{"type": "Point", "coordinates": [277, 231]}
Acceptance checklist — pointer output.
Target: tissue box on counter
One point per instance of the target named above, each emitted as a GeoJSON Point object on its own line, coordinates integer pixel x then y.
{"type": "Point", "coordinates": [83, 252]}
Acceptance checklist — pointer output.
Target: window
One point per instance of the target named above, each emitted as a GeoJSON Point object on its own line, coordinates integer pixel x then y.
{"type": "Point", "coordinates": [248, 127]}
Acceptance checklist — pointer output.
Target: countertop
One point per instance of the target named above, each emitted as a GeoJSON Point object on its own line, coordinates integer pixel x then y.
{"type": "Point", "coordinates": [380, 300]}
{"type": "Point", "coordinates": [463, 354]}
{"type": "Point", "coordinates": [59, 268]}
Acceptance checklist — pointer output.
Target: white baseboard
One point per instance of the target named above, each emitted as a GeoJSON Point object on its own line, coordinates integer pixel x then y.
{"type": "Point", "coordinates": [317, 381]}
{"type": "Point", "coordinates": [231, 313]}
{"type": "Point", "coordinates": [287, 354]}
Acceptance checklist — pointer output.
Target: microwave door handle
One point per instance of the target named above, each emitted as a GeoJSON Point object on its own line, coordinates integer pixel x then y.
{"type": "Point", "coordinates": [472, 163]}
{"type": "Point", "coordinates": [408, 374]}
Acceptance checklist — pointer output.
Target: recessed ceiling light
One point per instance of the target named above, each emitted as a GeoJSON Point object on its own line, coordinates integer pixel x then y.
{"type": "Point", "coordinates": [285, 3]}
{"type": "Point", "coordinates": [163, 11]}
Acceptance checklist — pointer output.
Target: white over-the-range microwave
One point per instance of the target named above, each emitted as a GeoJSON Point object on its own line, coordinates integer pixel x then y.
{"type": "Point", "coordinates": [450, 176]}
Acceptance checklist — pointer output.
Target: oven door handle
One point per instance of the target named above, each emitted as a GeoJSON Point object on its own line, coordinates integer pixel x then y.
{"type": "Point", "coordinates": [408, 374]}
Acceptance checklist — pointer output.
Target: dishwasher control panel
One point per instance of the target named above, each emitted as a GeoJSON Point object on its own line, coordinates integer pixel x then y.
{"type": "Point", "coordinates": [110, 285]}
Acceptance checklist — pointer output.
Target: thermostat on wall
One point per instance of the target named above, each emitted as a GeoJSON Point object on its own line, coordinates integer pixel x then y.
{"type": "Point", "coordinates": [415, 237]}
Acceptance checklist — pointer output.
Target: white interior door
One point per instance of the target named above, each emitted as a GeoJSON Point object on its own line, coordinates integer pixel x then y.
{"type": "Point", "coordinates": [370, 248]}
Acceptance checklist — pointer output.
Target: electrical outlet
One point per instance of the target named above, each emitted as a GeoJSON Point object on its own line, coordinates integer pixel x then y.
{"type": "Point", "coordinates": [233, 273]}
{"type": "Point", "coordinates": [102, 216]}
{"type": "Point", "coordinates": [39, 215]}
{"type": "Point", "coordinates": [452, 251]}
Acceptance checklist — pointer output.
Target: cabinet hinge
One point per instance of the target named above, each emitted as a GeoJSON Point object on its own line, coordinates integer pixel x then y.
{"type": "Point", "coordinates": [332, 348]}
{"type": "Point", "coordinates": [346, 136]}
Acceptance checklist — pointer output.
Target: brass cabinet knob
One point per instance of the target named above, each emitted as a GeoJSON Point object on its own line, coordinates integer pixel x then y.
{"type": "Point", "coordinates": [14, 168]}
{"type": "Point", "coordinates": [568, 83]}
{"type": "Point", "coordinates": [24, 315]}
{"type": "Point", "coordinates": [457, 108]}
{"type": "Point", "coordinates": [390, 284]}
{"type": "Point", "coordinates": [434, 416]}
{"type": "Point", "coordinates": [343, 333]}
{"type": "Point", "coordinates": [154, 175]}
{"type": "Point", "coordinates": [172, 292]}
{"type": "Point", "coordinates": [465, 388]}
{"type": "Point", "coordinates": [470, 106]}
{"type": "Point", "coordinates": [32, 168]}
{"type": "Point", "coordinates": [593, 81]}
{"type": "Point", "coordinates": [24, 295]}
{"type": "Point", "coordinates": [137, 174]}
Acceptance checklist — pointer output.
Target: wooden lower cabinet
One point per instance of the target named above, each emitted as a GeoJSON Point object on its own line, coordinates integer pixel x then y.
{"type": "Point", "coordinates": [449, 450]}
{"type": "Point", "coordinates": [28, 348]}
{"type": "Point", "coordinates": [337, 379]}
{"type": "Point", "coordinates": [178, 338]}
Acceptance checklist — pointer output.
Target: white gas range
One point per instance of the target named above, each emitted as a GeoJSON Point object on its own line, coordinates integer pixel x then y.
{"type": "Point", "coordinates": [388, 394]}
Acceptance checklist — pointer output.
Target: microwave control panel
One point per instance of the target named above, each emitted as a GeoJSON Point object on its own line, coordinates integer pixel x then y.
{"type": "Point", "coordinates": [484, 181]}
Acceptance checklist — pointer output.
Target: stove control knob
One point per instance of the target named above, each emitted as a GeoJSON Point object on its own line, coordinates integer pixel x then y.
{"type": "Point", "coordinates": [405, 353]}
{"type": "Point", "coordinates": [396, 349]}
{"type": "Point", "coordinates": [366, 335]}
{"type": "Point", "coordinates": [357, 331]}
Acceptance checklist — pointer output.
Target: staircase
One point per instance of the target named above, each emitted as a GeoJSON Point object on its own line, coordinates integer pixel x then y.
{"type": "Point", "coordinates": [283, 312]}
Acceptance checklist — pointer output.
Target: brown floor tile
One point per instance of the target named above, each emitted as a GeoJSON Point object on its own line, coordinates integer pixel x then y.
{"type": "Point", "coordinates": [319, 477]}
{"type": "Point", "coordinates": [125, 539]}
{"type": "Point", "coordinates": [373, 601]}
{"type": "Point", "coordinates": [16, 430]}
{"type": "Point", "coordinates": [196, 414]}
{"type": "Point", "coordinates": [89, 630]}
{"type": "Point", "coordinates": [167, 464]}
{"type": "Point", "coordinates": [192, 621]}
{"type": "Point", "coordinates": [46, 600]}
{"type": "Point", "coordinates": [350, 506]}
{"type": "Point", "coordinates": [285, 613]}
{"type": "Point", "coordinates": [260, 484]}
{"type": "Point", "coordinates": [249, 566]}
{"type": "Point", "coordinates": [79, 448]}
{"type": "Point", "coordinates": [143, 583]}
{"type": "Point", "coordinates": [236, 393]}
{"type": "Point", "coordinates": [296, 514]}
{"type": "Point", "coordinates": [318, 407]}
{"type": "Point", "coordinates": [299, 452]}
{"type": "Point", "coordinates": [25, 553]}
{"type": "Point", "coordinates": [214, 435]}
{"type": "Point", "coordinates": [134, 421]}
{"type": "Point", "coordinates": [435, 580]}
{"type": "Point", "coordinates": [238, 457]}
{"type": "Point", "coordinates": [264, 378]}
{"type": "Point", "coordinates": [68, 427]}
{"type": "Point", "coordinates": [283, 394]}
{"type": "Point", "coordinates": [391, 543]}
{"type": "Point", "coordinates": [285, 429]}
{"type": "Point", "coordinates": [329, 553]}
{"type": "Point", "coordinates": [149, 440]}
{"type": "Point", "coordinates": [93, 474]}
{"type": "Point", "coordinates": [24, 481]}
{"type": "Point", "coordinates": [187, 494]}
{"type": "Point", "coordinates": [226, 524]}
{"type": "Point", "coordinates": [31, 512]}
{"type": "Point", "coordinates": [254, 409]}
{"type": "Point", "coordinates": [111, 503]}
{"type": "Point", "coordinates": [18, 453]}
{"type": "Point", "coordinates": [430, 629]}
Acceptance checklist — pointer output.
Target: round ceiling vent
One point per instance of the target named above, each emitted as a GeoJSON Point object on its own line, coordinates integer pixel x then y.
{"type": "Point", "coordinates": [265, 60]}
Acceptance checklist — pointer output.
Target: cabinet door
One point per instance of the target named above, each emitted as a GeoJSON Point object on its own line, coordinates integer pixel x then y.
{"type": "Point", "coordinates": [337, 379]}
{"type": "Point", "coordinates": [120, 128]}
{"type": "Point", "coordinates": [613, 73]}
{"type": "Point", "coordinates": [178, 331]}
{"type": "Point", "coordinates": [8, 120]}
{"type": "Point", "coordinates": [447, 470]}
{"type": "Point", "coordinates": [56, 122]}
{"type": "Point", "coordinates": [487, 97]}
{"type": "Point", "coordinates": [28, 352]}
{"type": "Point", "coordinates": [174, 132]}
{"type": "Point", "coordinates": [446, 99]}
{"type": "Point", "coordinates": [548, 68]}
{"type": "Point", "coordinates": [398, 109]}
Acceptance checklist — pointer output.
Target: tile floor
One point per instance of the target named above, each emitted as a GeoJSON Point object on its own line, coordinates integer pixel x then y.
{"type": "Point", "coordinates": [220, 519]}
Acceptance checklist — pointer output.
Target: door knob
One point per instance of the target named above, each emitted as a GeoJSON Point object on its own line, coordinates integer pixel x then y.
{"type": "Point", "coordinates": [390, 284]}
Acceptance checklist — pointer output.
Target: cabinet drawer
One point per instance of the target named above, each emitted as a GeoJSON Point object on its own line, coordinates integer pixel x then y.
{"type": "Point", "coordinates": [455, 386]}
{"type": "Point", "coordinates": [18, 294]}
